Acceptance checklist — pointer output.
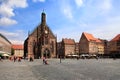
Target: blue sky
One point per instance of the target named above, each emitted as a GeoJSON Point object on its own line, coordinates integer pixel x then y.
{"type": "Point", "coordinates": [66, 18]}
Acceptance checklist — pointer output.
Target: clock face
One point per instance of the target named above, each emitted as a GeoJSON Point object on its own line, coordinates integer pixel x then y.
{"type": "Point", "coordinates": [46, 31]}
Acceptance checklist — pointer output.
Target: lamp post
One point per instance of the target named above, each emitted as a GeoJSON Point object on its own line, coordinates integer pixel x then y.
{"type": "Point", "coordinates": [61, 51]}
{"type": "Point", "coordinates": [60, 58]}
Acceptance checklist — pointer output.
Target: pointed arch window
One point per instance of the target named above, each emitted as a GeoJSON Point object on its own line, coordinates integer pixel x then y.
{"type": "Point", "coordinates": [46, 39]}
{"type": "Point", "coordinates": [52, 46]}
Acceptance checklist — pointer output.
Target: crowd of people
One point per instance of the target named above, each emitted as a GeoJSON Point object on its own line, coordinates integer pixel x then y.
{"type": "Point", "coordinates": [18, 59]}
{"type": "Point", "coordinates": [14, 58]}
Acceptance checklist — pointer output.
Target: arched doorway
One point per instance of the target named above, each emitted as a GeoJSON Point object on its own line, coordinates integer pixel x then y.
{"type": "Point", "coordinates": [46, 53]}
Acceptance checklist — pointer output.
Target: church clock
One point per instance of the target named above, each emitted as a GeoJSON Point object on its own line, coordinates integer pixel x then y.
{"type": "Point", "coordinates": [46, 32]}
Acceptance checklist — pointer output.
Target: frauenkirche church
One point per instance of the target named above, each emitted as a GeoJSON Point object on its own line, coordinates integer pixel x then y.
{"type": "Point", "coordinates": [41, 42]}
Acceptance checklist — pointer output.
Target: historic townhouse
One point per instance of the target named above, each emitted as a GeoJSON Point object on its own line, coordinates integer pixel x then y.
{"type": "Point", "coordinates": [77, 48]}
{"type": "Point", "coordinates": [100, 46]}
{"type": "Point", "coordinates": [18, 50]}
{"type": "Point", "coordinates": [90, 45]}
{"type": "Point", "coordinates": [59, 49]}
{"type": "Point", "coordinates": [106, 47]}
{"type": "Point", "coordinates": [114, 46]}
{"type": "Point", "coordinates": [5, 45]}
{"type": "Point", "coordinates": [68, 47]}
{"type": "Point", "coordinates": [41, 42]}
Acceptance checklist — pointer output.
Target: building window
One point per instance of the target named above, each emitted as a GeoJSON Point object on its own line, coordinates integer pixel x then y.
{"type": "Point", "coordinates": [52, 46]}
{"type": "Point", "coordinates": [118, 43]}
{"type": "Point", "coordinates": [46, 39]}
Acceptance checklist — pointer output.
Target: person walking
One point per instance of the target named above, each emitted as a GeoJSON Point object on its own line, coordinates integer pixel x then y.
{"type": "Point", "coordinates": [43, 60]}
{"type": "Point", "coordinates": [0, 58]}
{"type": "Point", "coordinates": [19, 59]}
{"type": "Point", "coordinates": [31, 59]}
{"type": "Point", "coordinates": [46, 62]}
{"type": "Point", "coordinates": [14, 58]}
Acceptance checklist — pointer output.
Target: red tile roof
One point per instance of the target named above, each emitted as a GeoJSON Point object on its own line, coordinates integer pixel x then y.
{"type": "Point", "coordinates": [90, 37]}
{"type": "Point", "coordinates": [116, 38]}
{"type": "Point", "coordinates": [97, 40]}
{"type": "Point", "coordinates": [69, 41]}
{"type": "Point", "coordinates": [16, 47]}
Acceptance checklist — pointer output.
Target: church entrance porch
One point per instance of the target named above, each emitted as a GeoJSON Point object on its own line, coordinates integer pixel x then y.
{"type": "Point", "coordinates": [46, 53]}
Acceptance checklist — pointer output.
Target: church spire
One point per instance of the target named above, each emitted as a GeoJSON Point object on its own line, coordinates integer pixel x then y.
{"type": "Point", "coordinates": [43, 18]}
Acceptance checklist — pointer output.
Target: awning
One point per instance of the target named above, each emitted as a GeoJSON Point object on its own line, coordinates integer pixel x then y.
{"type": "Point", "coordinates": [2, 52]}
{"type": "Point", "coordinates": [5, 55]}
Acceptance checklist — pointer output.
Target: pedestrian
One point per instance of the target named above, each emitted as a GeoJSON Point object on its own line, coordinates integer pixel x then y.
{"type": "Point", "coordinates": [19, 59]}
{"type": "Point", "coordinates": [31, 59]}
{"type": "Point", "coordinates": [43, 60]}
{"type": "Point", "coordinates": [77, 58]}
{"type": "Point", "coordinates": [14, 58]}
{"type": "Point", "coordinates": [0, 58]}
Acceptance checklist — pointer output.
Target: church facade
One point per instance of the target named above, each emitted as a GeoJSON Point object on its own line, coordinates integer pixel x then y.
{"type": "Point", "coordinates": [41, 42]}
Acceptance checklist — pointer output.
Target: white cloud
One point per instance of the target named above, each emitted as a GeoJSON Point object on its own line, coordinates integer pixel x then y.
{"type": "Point", "coordinates": [105, 6]}
{"type": "Point", "coordinates": [95, 9]}
{"type": "Point", "coordinates": [38, 0]}
{"type": "Point", "coordinates": [17, 41]}
{"type": "Point", "coordinates": [10, 34]}
{"type": "Point", "coordinates": [7, 8]}
{"type": "Point", "coordinates": [18, 3]}
{"type": "Point", "coordinates": [66, 9]}
{"type": "Point", "coordinates": [7, 21]}
{"type": "Point", "coordinates": [16, 37]}
{"type": "Point", "coordinates": [6, 11]}
{"type": "Point", "coordinates": [107, 30]}
{"type": "Point", "coordinates": [67, 12]}
{"type": "Point", "coordinates": [79, 3]}
{"type": "Point", "coordinates": [96, 17]}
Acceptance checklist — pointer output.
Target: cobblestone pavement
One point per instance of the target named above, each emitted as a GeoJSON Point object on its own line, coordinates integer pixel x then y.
{"type": "Point", "coordinates": [69, 69]}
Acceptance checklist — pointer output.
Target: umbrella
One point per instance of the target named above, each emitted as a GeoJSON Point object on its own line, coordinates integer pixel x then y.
{"type": "Point", "coordinates": [2, 52]}
{"type": "Point", "coordinates": [5, 55]}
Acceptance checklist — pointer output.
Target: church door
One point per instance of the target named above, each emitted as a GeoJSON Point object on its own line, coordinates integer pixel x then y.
{"type": "Point", "coordinates": [46, 53]}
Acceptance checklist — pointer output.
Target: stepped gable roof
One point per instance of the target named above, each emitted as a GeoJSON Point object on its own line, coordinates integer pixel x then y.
{"type": "Point", "coordinates": [69, 41]}
{"type": "Point", "coordinates": [116, 38]}
{"type": "Point", "coordinates": [91, 37]}
{"type": "Point", "coordinates": [16, 47]}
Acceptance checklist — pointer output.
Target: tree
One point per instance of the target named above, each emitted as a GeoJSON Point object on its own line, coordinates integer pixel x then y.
{"type": "Point", "coordinates": [12, 51]}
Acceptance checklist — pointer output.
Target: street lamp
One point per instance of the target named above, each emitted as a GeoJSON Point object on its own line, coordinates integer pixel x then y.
{"type": "Point", "coordinates": [61, 51]}
{"type": "Point", "coordinates": [60, 58]}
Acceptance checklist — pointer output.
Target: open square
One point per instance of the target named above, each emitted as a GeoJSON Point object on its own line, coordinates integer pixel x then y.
{"type": "Point", "coordinates": [68, 69]}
